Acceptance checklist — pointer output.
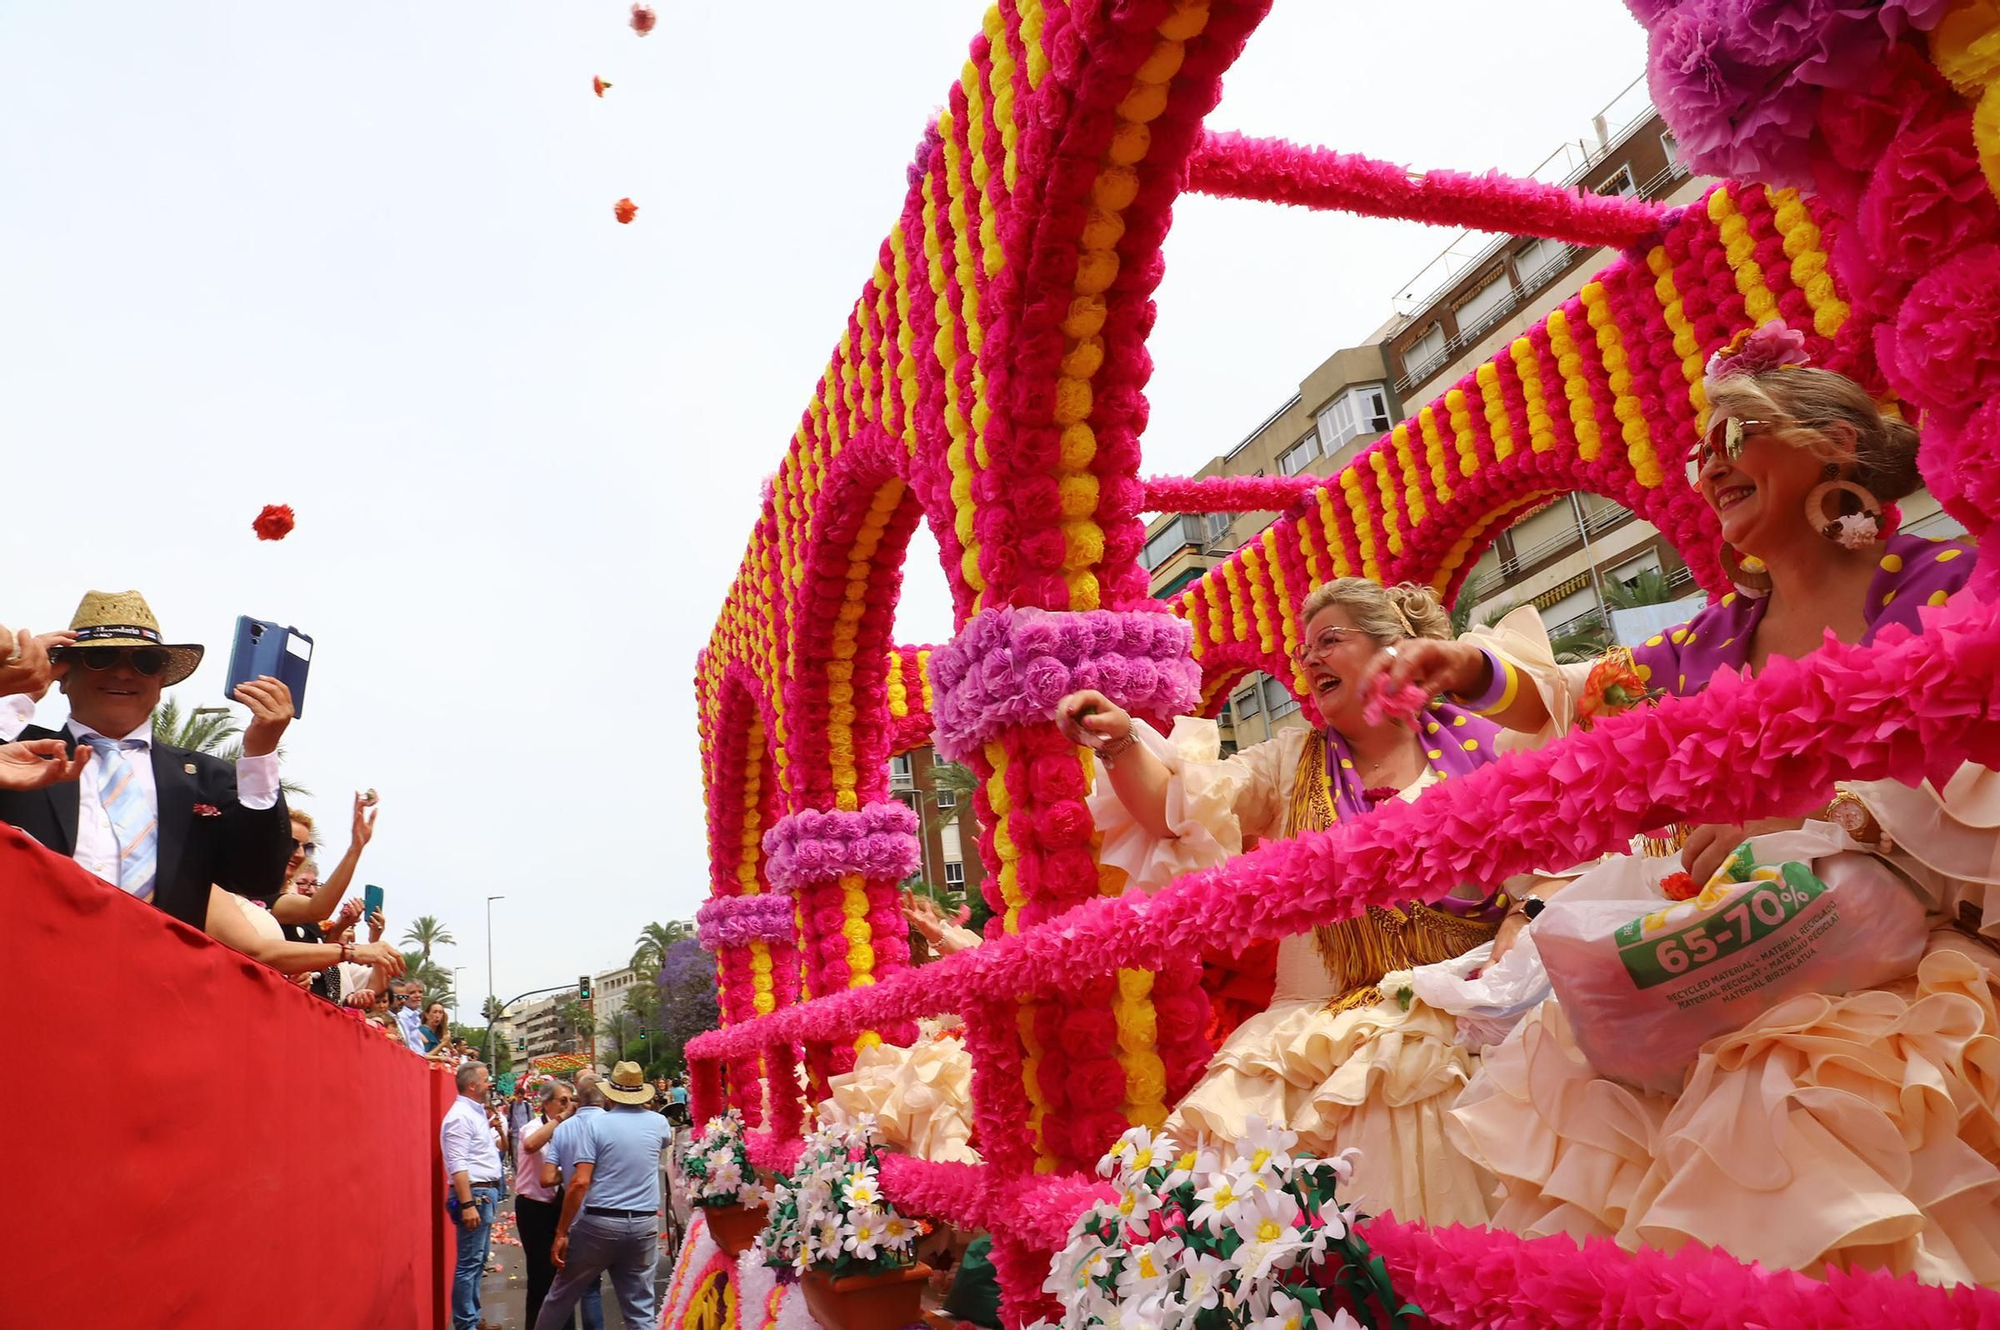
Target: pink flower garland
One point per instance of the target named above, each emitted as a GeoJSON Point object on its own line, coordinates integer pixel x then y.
{"type": "Point", "coordinates": [1492, 1280]}
{"type": "Point", "coordinates": [1227, 494]}
{"type": "Point", "coordinates": [815, 846]}
{"type": "Point", "coordinates": [1010, 667]}
{"type": "Point", "coordinates": [735, 921]}
{"type": "Point", "coordinates": [1272, 170]}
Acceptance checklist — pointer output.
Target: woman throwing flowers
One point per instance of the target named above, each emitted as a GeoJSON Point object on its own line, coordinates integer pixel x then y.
{"type": "Point", "coordinates": [1343, 1056]}
{"type": "Point", "coordinates": [1851, 1129]}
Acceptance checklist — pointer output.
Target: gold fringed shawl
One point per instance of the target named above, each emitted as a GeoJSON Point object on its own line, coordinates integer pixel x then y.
{"type": "Point", "coordinates": [1357, 952]}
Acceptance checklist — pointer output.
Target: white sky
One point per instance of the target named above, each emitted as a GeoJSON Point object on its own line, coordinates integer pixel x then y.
{"type": "Point", "coordinates": [360, 258]}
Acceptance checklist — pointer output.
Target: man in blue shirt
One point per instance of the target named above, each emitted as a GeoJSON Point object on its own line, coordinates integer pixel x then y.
{"type": "Point", "coordinates": [611, 1204]}
{"type": "Point", "coordinates": [558, 1161]}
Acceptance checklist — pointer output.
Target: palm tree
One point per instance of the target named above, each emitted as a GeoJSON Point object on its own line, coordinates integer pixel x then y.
{"type": "Point", "coordinates": [426, 932]}
{"type": "Point", "coordinates": [963, 784]}
{"type": "Point", "coordinates": [494, 1009]}
{"type": "Point", "coordinates": [209, 730]}
{"type": "Point", "coordinates": [654, 939]}
{"type": "Point", "coordinates": [572, 1019]}
{"type": "Point", "coordinates": [1648, 588]}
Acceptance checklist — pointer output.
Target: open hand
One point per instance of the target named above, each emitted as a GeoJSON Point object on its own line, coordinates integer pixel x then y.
{"type": "Point", "coordinates": [35, 763]}
{"type": "Point", "coordinates": [924, 916]}
{"type": "Point", "coordinates": [270, 704]}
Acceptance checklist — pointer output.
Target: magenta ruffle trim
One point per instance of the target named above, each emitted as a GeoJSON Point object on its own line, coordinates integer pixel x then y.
{"type": "Point", "coordinates": [1010, 667]}
{"type": "Point", "coordinates": [811, 846]}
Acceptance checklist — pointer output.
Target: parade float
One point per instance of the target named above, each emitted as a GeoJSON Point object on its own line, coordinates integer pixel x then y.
{"type": "Point", "coordinates": [990, 381]}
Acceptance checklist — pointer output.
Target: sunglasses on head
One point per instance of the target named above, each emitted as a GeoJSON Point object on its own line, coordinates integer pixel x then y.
{"type": "Point", "coordinates": [148, 661]}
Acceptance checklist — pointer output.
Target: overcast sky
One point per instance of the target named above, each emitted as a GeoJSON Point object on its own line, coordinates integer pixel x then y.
{"type": "Point", "coordinates": [360, 258]}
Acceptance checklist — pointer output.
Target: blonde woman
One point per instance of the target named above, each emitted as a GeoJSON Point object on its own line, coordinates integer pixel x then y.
{"type": "Point", "coordinates": [1341, 1056]}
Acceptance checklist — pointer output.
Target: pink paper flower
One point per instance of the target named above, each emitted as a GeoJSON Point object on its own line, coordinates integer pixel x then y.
{"type": "Point", "coordinates": [1927, 200]}
{"type": "Point", "coordinates": [1758, 351]}
{"type": "Point", "coordinates": [1947, 335]}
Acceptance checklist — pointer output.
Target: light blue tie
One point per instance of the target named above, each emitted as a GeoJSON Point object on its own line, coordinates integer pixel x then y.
{"type": "Point", "coordinates": [134, 821]}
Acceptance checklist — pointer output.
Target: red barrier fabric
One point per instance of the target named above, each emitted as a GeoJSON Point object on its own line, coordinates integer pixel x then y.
{"type": "Point", "coordinates": [196, 1142]}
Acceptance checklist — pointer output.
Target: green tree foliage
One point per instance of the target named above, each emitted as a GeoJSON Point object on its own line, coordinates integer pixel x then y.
{"type": "Point", "coordinates": [653, 941]}
{"type": "Point", "coordinates": [425, 932]}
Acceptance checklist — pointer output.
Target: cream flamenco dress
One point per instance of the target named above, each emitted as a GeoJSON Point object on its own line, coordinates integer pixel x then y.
{"type": "Point", "coordinates": [1344, 1055]}
{"type": "Point", "coordinates": [1854, 1130]}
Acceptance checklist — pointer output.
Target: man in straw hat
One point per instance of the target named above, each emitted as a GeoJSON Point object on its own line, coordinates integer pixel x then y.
{"type": "Point", "coordinates": [610, 1221]}
{"type": "Point", "coordinates": [162, 823]}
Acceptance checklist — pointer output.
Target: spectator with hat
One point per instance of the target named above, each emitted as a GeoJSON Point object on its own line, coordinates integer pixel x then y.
{"type": "Point", "coordinates": [161, 823]}
{"type": "Point", "coordinates": [610, 1222]}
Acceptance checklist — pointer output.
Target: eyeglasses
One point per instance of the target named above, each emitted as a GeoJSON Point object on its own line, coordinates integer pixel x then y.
{"type": "Point", "coordinates": [1725, 439]}
{"type": "Point", "coordinates": [148, 661]}
{"type": "Point", "coordinates": [1326, 643]}
{"type": "Point", "coordinates": [306, 846]}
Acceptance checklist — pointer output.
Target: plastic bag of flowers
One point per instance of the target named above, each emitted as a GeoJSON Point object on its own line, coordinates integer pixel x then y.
{"type": "Point", "coordinates": [1244, 1235]}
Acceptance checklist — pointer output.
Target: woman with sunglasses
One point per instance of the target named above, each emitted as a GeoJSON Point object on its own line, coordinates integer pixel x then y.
{"type": "Point", "coordinates": [1338, 1056]}
{"type": "Point", "coordinates": [303, 913]}
{"type": "Point", "coordinates": [1852, 1129]}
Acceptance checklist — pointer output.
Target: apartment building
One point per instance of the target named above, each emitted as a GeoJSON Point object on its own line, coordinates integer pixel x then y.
{"type": "Point", "coordinates": [947, 829]}
{"type": "Point", "coordinates": [1477, 296]}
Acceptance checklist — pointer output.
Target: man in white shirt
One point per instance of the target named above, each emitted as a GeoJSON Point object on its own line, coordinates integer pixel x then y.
{"type": "Point", "coordinates": [407, 999]}
{"type": "Point", "coordinates": [472, 1172]}
{"type": "Point", "coordinates": [160, 823]}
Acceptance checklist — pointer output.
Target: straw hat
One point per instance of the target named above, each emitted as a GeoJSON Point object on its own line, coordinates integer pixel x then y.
{"type": "Point", "coordinates": [124, 619]}
{"type": "Point", "coordinates": [627, 1085]}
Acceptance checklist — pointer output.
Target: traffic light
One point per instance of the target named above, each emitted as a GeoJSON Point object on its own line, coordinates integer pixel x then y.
{"type": "Point", "coordinates": [583, 989]}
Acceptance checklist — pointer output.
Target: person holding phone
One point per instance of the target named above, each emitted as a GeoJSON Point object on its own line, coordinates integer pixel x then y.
{"type": "Point", "coordinates": [303, 913]}
{"type": "Point", "coordinates": [159, 822]}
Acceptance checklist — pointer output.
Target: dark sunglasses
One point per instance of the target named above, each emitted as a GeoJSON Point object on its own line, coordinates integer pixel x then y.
{"type": "Point", "coordinates": [148, 661]}
{"type": "Point", "coordinates": [307, 846]}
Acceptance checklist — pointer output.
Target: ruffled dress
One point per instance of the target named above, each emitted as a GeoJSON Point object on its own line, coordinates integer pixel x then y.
{"type": "Point", "coordinates": [1855, 1130]}
{"type": "Point", "coordinates": [920, 1096]}
{"type": "Point", "coordinates": [1341, 1056]}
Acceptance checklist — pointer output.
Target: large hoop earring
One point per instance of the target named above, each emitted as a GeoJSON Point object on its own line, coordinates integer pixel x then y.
{"type": "Point", "coordinates": [1746, 573]}
{"type": "Point", "coordinates": [1851, 531]}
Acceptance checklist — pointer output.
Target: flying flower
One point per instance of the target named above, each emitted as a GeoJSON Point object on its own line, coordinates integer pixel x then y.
{"type": "Point", "coordinates": [275, 522]}
{"type": "Point", "coordinates": [598, 85]}
{"type": "Point", "coordinates": [625, 211]}
{"type": "Point", "coordinates": [643, 19]}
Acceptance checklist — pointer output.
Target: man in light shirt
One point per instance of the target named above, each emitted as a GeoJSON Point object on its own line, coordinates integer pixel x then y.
{"type": "Point", "coordinates": [406, 1000]}
{"type": "Point", "coordinates": [161, 823]}
{"type": "Point", "coordinates": [472, 1173]}
{"type": "Point", "coordinates": [610, 1220]}
{"type": "Point", "coordinates": [558, 1161]}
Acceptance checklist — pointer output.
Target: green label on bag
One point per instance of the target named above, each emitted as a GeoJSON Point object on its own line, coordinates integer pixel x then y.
{"type": "Point", "coordinates": [1768, 906]}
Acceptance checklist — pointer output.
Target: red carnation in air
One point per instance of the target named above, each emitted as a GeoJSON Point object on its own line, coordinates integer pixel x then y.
{"type": "Point", "coordinates": [275, 522]}
{"type": "Point", "coordinates": [598, 85]}
{"type": "Point", "coordinates": [625, 211]}
{"type": "Point", "coordinates": [643, 19]}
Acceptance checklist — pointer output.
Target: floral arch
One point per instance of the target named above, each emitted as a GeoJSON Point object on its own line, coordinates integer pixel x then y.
{"type": "Point", "coordinates": [990, 379]}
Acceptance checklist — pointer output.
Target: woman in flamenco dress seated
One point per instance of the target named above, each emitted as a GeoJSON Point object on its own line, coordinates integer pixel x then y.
{"type": "Point", "coordinates": [1859, 1129]}
{"type": "Point", "coordinates": [1340, 1056]}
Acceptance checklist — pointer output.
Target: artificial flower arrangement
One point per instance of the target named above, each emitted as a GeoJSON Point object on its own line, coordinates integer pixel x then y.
{"type": "Point", "coordinates": [830, 1216]}
{"type": "Point", "coordinates": [717, 1165]}
{"type": "Point", "coordinates": [1250, 1237]}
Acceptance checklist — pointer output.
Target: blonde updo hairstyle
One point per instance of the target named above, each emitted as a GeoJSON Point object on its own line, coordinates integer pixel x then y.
{"type": "Point", "coordinates": [1382, 612]}
{"type": "Point", "coordinates": [1803, 404]}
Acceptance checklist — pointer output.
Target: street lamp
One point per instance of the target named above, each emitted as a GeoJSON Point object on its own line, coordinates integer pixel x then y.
{"type": "Point", "coordinates": [489, 974]}
{"type": "Point", "coordinates": [456, 1011]}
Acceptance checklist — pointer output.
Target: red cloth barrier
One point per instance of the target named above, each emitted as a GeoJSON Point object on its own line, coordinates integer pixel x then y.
{"type": "Point", "coordinates": [196, 1141]}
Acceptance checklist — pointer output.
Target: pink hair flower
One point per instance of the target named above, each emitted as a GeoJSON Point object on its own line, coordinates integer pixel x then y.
{"type": "Point", "coordinates": [1758, 351]}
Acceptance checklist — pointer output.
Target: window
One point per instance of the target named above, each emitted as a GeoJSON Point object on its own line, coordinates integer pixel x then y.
{"type": "Point", "coordinates": [1539, 261]}
{"type": "Point", "coordinates": [1278, 699]}
{"type": "Point", "coordinates": [1672, 147]}
{"type": "Point", "coordinates": [1299, 456]}
{"type": "Point", "coordinates": [1169, 540]}
{"type": "Point", "coordinates": [954, 876]}
{"type": "Point", "coordinates": [946, 798]}
{"type": "Point", "coordinates": [1248, 704]}
{"type": "Point", "coordinates": [1485, 306]}
{"type": "Point", "coordinates": [899, 769]}
{"type": "Point", "coordinates": [1217, 526]}
{"type": "Point", "coordinates": [1356, 412]}
{"type": "Point", "coordinates": [1619, 184]}
{"type": "Point", "coordinates": [1422, 355]}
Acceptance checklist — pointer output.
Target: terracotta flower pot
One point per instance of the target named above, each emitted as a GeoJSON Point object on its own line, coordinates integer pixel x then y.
{"type": "Point", "coordinates": [886, 1301]}
{"type": "Point", "coordinates": [735, 1227]}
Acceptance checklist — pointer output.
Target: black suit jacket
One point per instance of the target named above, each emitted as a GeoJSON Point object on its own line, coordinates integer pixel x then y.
{"type": "Point", "coordinates": [240, 849]}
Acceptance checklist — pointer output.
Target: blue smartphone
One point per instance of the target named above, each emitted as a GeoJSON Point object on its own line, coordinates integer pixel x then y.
{"type": "Point", "coordinates": [268, 648]}
{"type": "Point", "coordinates": [371, 897]}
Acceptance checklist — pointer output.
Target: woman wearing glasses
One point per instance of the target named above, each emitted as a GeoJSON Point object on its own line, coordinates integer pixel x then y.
{"type": "Point", "coordinates": [1340, 1056]}
{"type": "Point", "coordinates": [1843, 1129]}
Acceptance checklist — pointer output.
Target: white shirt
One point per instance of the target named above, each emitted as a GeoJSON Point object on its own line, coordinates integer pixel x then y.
{"type": "Point", "coordinates": [468, 1142]}
{"type": "Point", "coordinates": [96, 843]}
{"type": "Point", "coordinates": [412, 1026]}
